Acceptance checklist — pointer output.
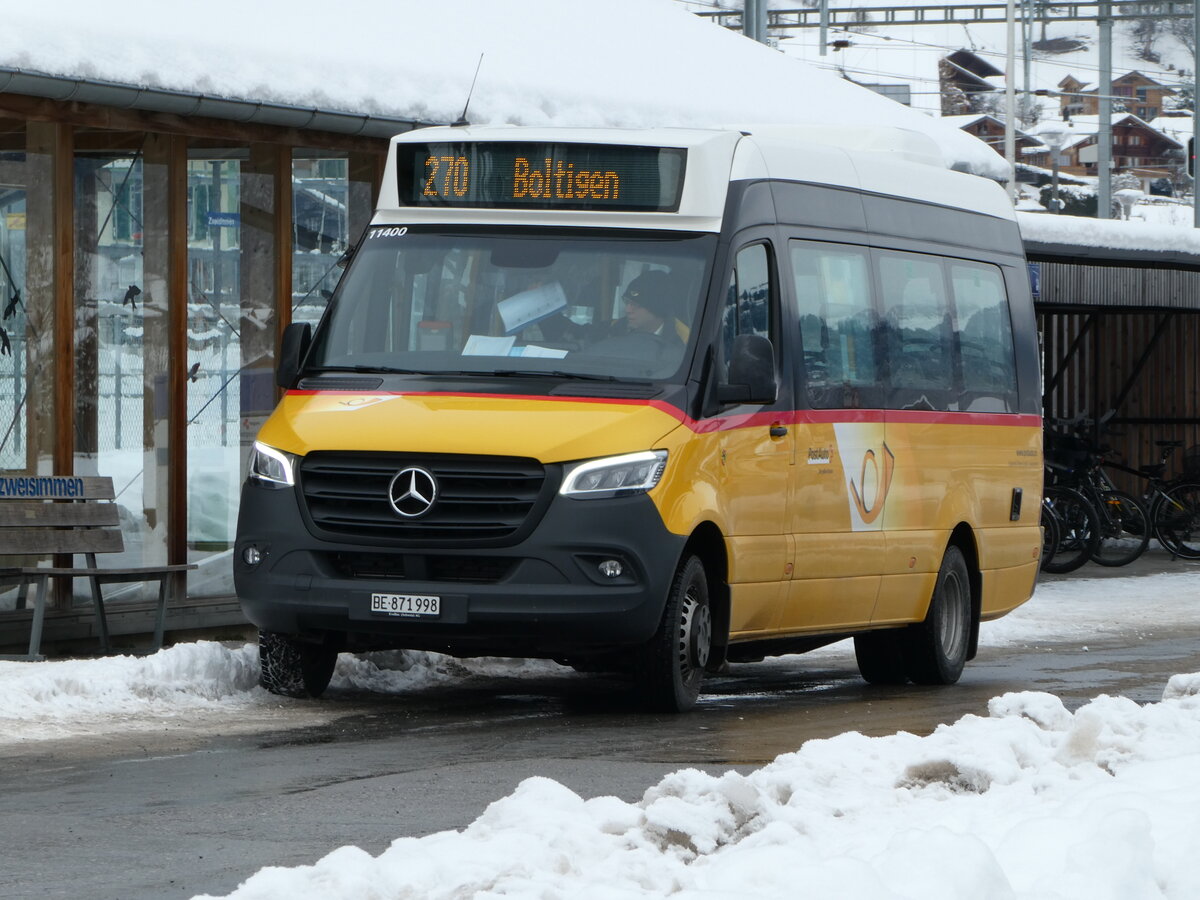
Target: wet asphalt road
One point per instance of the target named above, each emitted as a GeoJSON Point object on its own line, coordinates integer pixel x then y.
{"type": "Point", "coordinates": [201, 808]}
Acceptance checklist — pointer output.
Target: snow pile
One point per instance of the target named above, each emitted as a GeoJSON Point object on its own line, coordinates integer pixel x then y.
{"type": "Point", "coordinates": [61, 698]}
{"type": "Point", "coordinates": [1031, 802]}
{"type": "Point", "coordinates": [41, 700]}
{"type": "Point", "coordinates": [58, 698]}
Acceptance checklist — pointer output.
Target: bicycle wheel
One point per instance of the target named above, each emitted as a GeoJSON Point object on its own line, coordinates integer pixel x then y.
{"type": "Point", "coordinates": [1177, 520]}
{"type": "Point", "coordinates": [1124, 529]}
{"type": "Point", "coordinates": [1050, 533]}
{"type": "Point", "coordinates": [1079, 530]}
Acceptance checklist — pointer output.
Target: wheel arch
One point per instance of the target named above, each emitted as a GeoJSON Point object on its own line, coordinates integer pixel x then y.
{"type": "Point", "coordinates": [707, 543]}
{"type": "Point", "coordinates": [963, 537]}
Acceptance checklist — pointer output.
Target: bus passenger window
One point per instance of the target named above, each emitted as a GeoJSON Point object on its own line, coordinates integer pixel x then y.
{"type": "Point", "coordinates": [985, 341]}
{"type": "Point", "coordinates": [918, 330]}
{"type": "Point", "coordinates": [837, 325]}
{"type": "Point", "coordinates": [748, 303]}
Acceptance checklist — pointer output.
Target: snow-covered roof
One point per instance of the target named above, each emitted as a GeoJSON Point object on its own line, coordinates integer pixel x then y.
{"type": "Point", "coordinates": [1081, 129]}
{"type": "Point", "coordinates": [1181, 244]}
{"type": "Point", "coordinates": [633, 63]}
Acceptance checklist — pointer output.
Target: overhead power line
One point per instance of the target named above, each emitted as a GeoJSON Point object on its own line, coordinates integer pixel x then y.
{"type": "Point", "coordinates": [953, 14]}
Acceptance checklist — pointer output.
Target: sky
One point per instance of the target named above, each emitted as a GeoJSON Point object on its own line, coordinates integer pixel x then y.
{"type": "Point", "coordinates": [1033, 801]}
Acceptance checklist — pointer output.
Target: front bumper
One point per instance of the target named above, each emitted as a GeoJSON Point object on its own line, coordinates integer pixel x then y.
{"type": "Point", "coordinates": [543, 596]}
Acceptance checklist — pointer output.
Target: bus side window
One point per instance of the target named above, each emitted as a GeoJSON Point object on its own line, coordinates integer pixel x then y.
{"type": "Point", "coordinates": [918, 331]}
{"type": "Point", "coordinates": [748, 302]}
{"type": "Point", "coordinates": [985, 341]}
{"type": "Point", "coordinates": [837, 324]}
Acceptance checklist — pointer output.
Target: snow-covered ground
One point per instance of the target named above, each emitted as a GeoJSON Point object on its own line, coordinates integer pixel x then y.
{"type": "Point", "coordinates": [1032, 801]}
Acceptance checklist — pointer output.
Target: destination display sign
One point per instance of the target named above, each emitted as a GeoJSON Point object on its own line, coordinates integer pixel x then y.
{"type": "Point", "coordinates": [503, 175]}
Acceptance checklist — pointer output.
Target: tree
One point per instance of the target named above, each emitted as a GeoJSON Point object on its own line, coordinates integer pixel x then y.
{"type": "Point", "coordinates": [954, 100]}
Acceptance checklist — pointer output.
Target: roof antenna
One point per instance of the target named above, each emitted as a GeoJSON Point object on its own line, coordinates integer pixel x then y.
{"type": "Point", "coordinates": [462, 120]}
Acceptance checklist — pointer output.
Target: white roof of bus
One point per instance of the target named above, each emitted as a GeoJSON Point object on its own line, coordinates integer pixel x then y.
{"type": "Point", "coordinates": [882, 160]}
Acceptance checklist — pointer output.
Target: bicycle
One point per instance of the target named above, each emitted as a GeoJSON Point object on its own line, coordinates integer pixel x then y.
{"type": "Point", "coordinates": [1174, 504]}
{"type": "Point", "coordinates": [1076, 529]}
{"type": "Point", "coordinates": [1123, 522]}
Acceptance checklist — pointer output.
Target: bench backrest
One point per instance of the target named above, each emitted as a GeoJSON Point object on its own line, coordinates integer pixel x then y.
{"type": "Point", "coordinates": [40, 515]}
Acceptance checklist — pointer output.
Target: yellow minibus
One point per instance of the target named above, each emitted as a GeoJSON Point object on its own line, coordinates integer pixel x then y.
{"type": "Point", "coordinates": [655, 401]}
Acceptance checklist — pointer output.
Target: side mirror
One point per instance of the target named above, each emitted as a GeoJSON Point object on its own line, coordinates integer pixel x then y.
{"type": "Point", "coordinates": [292, 349]}
{"type": "Point", "coordinates": [752, 377]}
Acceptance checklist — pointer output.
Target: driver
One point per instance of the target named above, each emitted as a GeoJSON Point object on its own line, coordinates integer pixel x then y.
{"type": "Point", "coordinates": [650, 307]}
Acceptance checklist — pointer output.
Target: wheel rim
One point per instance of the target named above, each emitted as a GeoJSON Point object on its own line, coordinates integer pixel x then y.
{"type": "Point", "coordinates": [952, 621]}
{"type": "Point", "coordinates": [695, 634]}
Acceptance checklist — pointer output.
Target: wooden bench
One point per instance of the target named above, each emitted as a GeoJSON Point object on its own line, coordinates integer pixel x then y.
{"type": "Point", "coordinates": [45, 516]}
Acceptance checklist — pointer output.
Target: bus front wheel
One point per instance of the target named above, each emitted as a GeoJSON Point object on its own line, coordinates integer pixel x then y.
{"type": "Point", "coordinates": [293, 668]}
{"type": "Point", "coordinates": [672, 663]}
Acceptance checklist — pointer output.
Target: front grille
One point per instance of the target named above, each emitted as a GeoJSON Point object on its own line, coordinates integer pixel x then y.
{"type": "Point", "coordinates": [480, 498]}
{"type": "Point", "coordinates": [408, 567]}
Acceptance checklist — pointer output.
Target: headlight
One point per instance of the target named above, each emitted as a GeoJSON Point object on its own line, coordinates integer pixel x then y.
{"type": "Point", "coordinates": [272, 467]}
{"type": "Point", "coordinates": [614, 476]}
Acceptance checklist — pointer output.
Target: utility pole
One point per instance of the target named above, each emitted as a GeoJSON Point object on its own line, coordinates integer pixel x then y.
{"type": "Point", "coordinates": [1195, 103]}
{"type": "Point", "coordinates": [1027, 53]}
{"type": "Point", "coordinates": [1010, 105]}
{"type": "Point", "coordinates": [754, 20]}
{"type": "Point", "coordinates": [1104, 136]}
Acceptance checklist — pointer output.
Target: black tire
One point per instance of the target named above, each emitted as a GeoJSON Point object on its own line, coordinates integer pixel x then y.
{"type": "Point", "coordinates": [1124, 529]}
{"type": "Point", "coordinates": [1177, 520]}
{"type": "Point", "coordinates": [294, 668]}
{"type": "Point", "coordinates": [935, 651]}
{"type": "Point", "coordinates": [880, 656]}
{"type": "Point", "coordinates": [1079, 530]}
{"type": "Point", "coordinates": [1050, 534]}
{"type": "Point", "coordinates": [671, 665]}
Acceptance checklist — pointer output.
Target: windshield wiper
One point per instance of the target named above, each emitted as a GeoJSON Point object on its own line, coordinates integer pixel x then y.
{"type": "Point", "coordinates": [372, 370]}
{"type": "Point", "coordinates": [570, 376]}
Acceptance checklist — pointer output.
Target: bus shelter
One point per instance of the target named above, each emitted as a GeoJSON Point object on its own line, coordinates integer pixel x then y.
{"type": "Point", "coordinates": [1120, 330]}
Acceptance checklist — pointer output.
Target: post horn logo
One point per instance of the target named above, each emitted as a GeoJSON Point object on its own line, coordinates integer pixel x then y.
{"type": "Point", "coordinates": [883, 479]}
{"type": "Point", "coordinates": [412, 492]}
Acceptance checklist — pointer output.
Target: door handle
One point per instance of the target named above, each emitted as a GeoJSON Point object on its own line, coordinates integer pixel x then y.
{"type": "Point", "coordinates": [779, 431]}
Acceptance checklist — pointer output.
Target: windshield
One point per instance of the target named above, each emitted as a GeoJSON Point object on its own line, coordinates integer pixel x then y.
{"type": "Point", "coordinates": [588, 306]}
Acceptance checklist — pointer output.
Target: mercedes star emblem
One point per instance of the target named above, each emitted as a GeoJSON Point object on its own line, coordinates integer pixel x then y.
{"type": "Point", "coordinates": [412, 492]}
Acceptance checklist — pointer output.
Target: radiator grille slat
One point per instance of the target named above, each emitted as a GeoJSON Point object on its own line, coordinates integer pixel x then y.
{"type": "Point", "coordinates": [479, 497]}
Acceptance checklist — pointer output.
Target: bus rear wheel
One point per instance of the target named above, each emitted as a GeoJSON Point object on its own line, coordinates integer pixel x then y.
{"type": "Point", "coordinates": [294, 668]}
{"type": "Point", "coordinates": [671, 666]}
{"type": "Point", "coordinates": [935, 650]}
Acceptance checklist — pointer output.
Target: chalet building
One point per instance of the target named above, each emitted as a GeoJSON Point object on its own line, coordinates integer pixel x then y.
{"type": "Point", "coordinates": [990, 130]}
{"type": "Point", "coordinates": [1137, 149]}
{"type": "Point", "coordinates": [963, 76]}
{"type": "Point", "coordinates": [1133, 92]}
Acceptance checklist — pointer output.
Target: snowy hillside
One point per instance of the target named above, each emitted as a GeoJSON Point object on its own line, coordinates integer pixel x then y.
{"type": "Point", "coordinates": [892, 54]}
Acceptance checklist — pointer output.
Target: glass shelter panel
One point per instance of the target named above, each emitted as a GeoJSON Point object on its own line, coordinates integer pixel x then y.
{"type": "Point", "coordinates": [332, 202]}
{"type": "Point", "coordinates": [27, 414]}
{"type": "Point", "coordinates": [121, 334]}
{"type": "Point", "coordinates": [231, 331]}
